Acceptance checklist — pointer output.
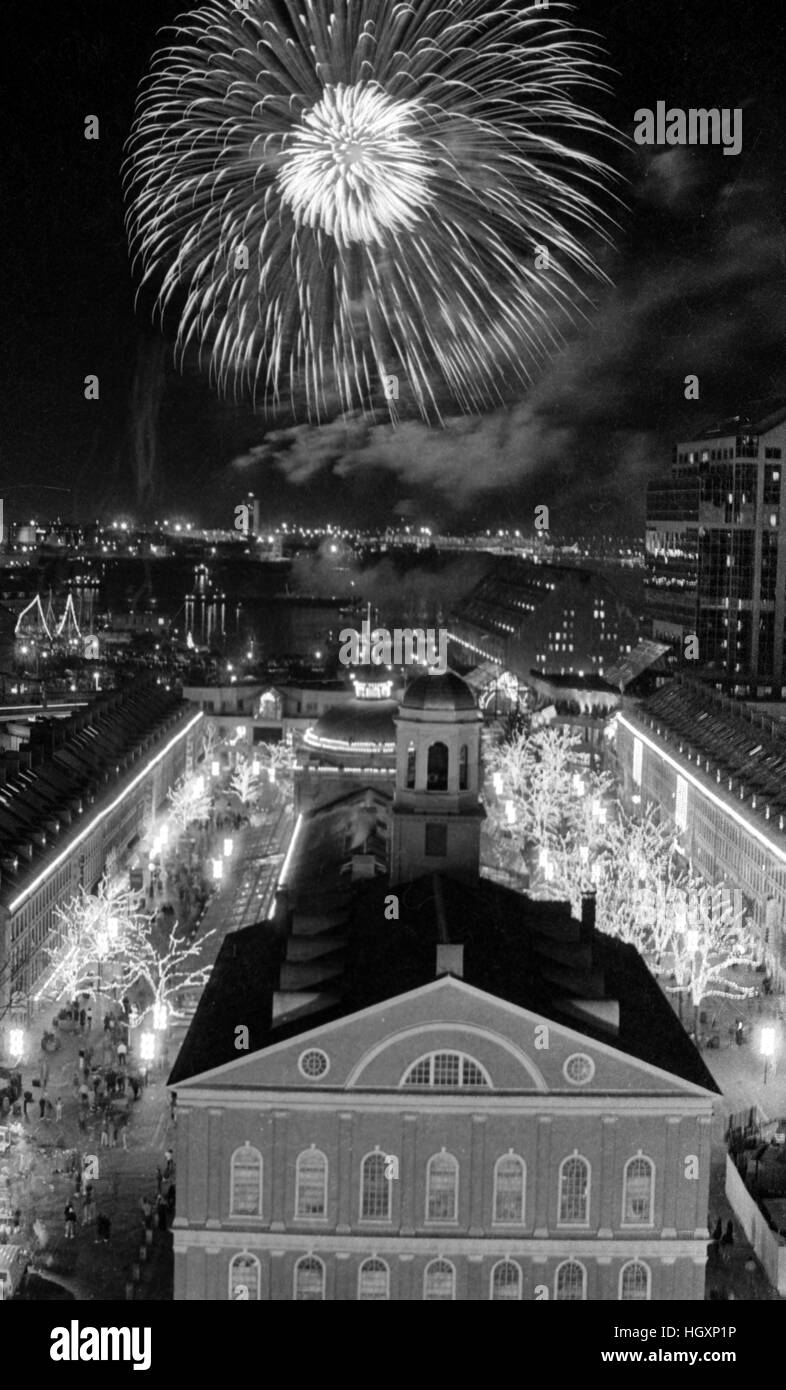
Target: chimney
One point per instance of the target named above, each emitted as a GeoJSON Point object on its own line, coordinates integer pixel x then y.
{"type": "Point", "coordinates": [450, 960]}
{"type": "Point", "coordinates": [588, 901]}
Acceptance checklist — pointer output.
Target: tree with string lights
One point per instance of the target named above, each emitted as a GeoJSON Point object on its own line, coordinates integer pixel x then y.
{"type": "Point", "coordinates": [189, 800]}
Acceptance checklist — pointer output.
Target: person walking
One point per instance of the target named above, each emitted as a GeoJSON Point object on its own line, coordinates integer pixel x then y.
{"type": "Point", "coordinates": [27, 1101]}
{"type": "Point", "coordinates": [89, 1017]}
{"type": "Point", "coordinates": [82, 1020]}
{"type": "Point", "coordinates": [162, 1211]}
{"type": "Point", "coordinates": [727, 1241]}
{"type": "Point", "coordinates": [88, 1206]}
{"type": "Point", "coordinates": [124, 1135]}
{"type": "Point", "coordinates": [104, 1134]}
{"type": "Point", "coordinates": [70, 1221]}
{"type": "Point", "coordinates": [58, 1109]}
{"type": "Point", "coordinates": [41, 1106]}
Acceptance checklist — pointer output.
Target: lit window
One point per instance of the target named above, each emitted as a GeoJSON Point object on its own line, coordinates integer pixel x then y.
{"type": "Point", "coordinates": [570, 1284]}
{"type": "Point", "coordinates": [509, 1188]}
{"type": "Point", "coordinates": [681, 807]}
{"type": "Point", "coordinates": [635, 1282]}
{"type": "Point", "coordinates": [446, 1069]}
{"type": "Point", "coordinates": [375, 1188]}
{"type": "Point", "coordinates": [311, 1184]}
{"type": "Point", "coordinates": [373, 1282]}
{"type": "Point", "coordinates": [439, 1282]}
{"type": "Point", "coordinates": [246, 1182]}
{"type": "Point", "coordinates": [244, 1278]}
{"type": "Point", "coordinates": [506, 1281]}
{"type": "Point", "coordinates": [574, 1179]}
{"type": "Point", "coordinates": [442, 1188]}
{"type": "Point", "coordinates": [638, 1192]}
{"type": "Point", "coordinates": [309, 1280]}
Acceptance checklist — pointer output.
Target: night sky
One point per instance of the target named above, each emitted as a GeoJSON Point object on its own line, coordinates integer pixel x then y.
{"type": "Point", "coordinates": [698, 271]}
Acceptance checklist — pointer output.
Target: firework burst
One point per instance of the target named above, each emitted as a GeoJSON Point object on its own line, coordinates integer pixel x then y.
{"type": "Point", "coordinates": [334, 193]}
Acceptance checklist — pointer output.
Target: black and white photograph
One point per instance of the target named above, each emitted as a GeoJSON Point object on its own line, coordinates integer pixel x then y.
{"type": "Point", "coordinates": [393, 665]}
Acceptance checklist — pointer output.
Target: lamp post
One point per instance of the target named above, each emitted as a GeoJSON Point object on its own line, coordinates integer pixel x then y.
{"type": "Point", "coordinates": [767, 1049]}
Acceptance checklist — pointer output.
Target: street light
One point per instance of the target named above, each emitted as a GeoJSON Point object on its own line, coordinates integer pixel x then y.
{"type": "Point", "coordinates": [497, 783]}
{"type": "Point", "coordinates": [160, 1017]}
{"type": "Point", "coordinates": [767, 1048]}
{"type": "Point", "coordinates": [147, 1047]}
{"type": "Point", "coordinates": [228, 847]}
{"type": "Point", "coordinates": [218, 870]}
{"type": "Point", "coordinates": [16, 1043]}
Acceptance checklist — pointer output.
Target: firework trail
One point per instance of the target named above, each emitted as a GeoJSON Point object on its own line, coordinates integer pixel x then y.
{"type": "Point", "coordinates": [332, 193]}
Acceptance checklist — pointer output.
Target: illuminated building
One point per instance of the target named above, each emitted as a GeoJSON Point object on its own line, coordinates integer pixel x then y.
{"type": "Point", "coordinates": [72, 799]}
{"type": "Point", "coordinates": [717, 768]}
{"type": "Point", "coordinates": [552, 619]}
{"type": "Point", "coordinates": [442, 1090]}
{"type": "Point", "coordinates": [716, 554]}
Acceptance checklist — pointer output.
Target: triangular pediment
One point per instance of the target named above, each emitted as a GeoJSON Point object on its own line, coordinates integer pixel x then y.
{"type": "Point", "coordinates": [520, 1051]}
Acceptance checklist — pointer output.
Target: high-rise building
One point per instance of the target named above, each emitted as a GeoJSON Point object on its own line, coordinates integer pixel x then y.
{"type": "Point", "coordinates": [716, 554]}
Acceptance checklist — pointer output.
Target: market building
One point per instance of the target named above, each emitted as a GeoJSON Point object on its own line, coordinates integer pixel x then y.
{"type": "Point", "coordinates": [74, 797]}
{"type": "Point", "coordinates": [414, 1083]}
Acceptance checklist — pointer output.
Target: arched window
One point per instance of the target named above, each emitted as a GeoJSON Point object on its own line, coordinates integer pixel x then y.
{"type": "Point", "coordinates": [439, 1281]}
{"type": "Point", "coordinates": [446, 1069]}
{"type": "Point", "coordinates": [570, 1283]}
{"type": "Point", "coordinates": [442, 1176]}
{"type": "Point", "coordinates": [244, 1277]}
{"type": "Point", "coordinates": [309, 1280]}
{"type": "Point", "coordinates": [506, 1280]}
{"type": "Point", "coordinates": [437, 780]}
{"type": "Point", "coordinates": [574, 1182]}
{"type": "Point", "coordinates": [373, 1282]}
{"type": "Point", "coordinates": [311, 1184]}
{"type": "Point", "coordinates": [635, 1282]}
{"type": "Point", "coordinates": [463, 768]}
{"type": "Point", "coordinates": [638, 1191]}
{"type": "Point", "coordinates": [246, 1182]}
{"type": "Point", "coordinates": [510, 1176]}
{"type": "Point", "coordinates": [411, 765]}
{"type": "Point", "coordinates": [375, 1188]}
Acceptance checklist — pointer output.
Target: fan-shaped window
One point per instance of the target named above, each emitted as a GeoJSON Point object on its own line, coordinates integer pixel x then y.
{"type": "Point", "coordinates": [574, 1182]}
{"type": "Point", "coordinates": [437, 776]}
{"type": "Point", "coordinates": [451, 1069]}
{"type": "Point", "coordinates": [463, 768]}
{"type": "Point", "coordinates": [510, 1176]}
{"type": "Point", "coordinates": [373, 1282]}
{"type": "Point", "coordinates": [570, 1284]}
{"type": "Point", "coordinates": [635, 1282]}
{"type": "Point", "coordinates": [442, 1188]}
{"type": "Point", "coordinates": [506, 1280]}
{"type": "Point", "coordinates": [244, 1277]}
{"type": "Point", "coordinates": [638, 1191]}
{"type": "Point", "coordinates": [246, 1182]}
{"type": "Point", "coordinates": [439, 1282]}
{"type": "Point", "coordinates": [375, 1188]}
{"type": "Point", "coordinates": [311, 1184]}
{"type": "Point", "coordinates": [309, 1280]}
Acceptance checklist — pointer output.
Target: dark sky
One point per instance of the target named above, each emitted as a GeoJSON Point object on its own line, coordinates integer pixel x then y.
{"type": "Point", "coordinates": [698, 275]}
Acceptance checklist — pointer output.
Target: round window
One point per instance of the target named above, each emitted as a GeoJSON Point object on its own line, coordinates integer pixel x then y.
{"type": "Point", "coordinates": [579, 1069]}
{"type": "Point", "coordinates": [313, 1063]}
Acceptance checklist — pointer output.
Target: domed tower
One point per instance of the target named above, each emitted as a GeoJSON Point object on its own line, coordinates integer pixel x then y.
{"type": "Point", "coordinates": [437, 811]}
